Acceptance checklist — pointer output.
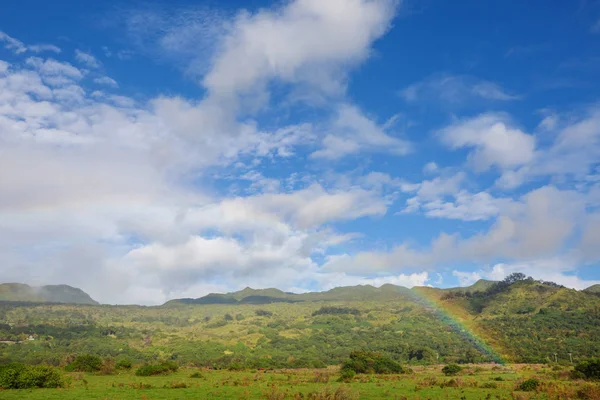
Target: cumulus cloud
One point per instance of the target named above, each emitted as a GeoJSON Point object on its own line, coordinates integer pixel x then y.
{"type": "Point", "coordinates": [495, 142]}
{"type": "Point", "coordinates": [138, 222]}
{"type": "Point", "coordinates": [106, 81]}
{"type": "Point", "coordinates": [539, 225]}
{"type": "Point", "coordinates": [351, 131]}
{"type": "Point", "coordinates": [326, 36]}
{"type": "Point", "coordinates": [86, 59]}
{"type": "Point", "coordinates": [572, 155]}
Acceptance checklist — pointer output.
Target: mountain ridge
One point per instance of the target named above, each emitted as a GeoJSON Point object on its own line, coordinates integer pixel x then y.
{"type": "Point", "coordinates": [21, 292]}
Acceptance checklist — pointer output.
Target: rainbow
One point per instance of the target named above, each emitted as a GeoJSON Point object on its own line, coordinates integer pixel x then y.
{"type": "Point", "coordinates": [433, 302]}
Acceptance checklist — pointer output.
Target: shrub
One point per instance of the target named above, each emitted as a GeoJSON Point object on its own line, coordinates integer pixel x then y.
{"type": "Point", "coordinates": [529, 385]}
{"type": "Point", "coordinates": [366, 362]}
{"type": "Point", "coordinates": [576, 375]}
{"type": "Point", "coordinates": [108, 367]}
{"type": "Point", "coordinates": [336, 311]}
{"type": "Point", "coordinates": [157, 369]}
{"type": "Point", "coordinates": [196, 374]}
{"type": "Point", "coordinates": [20, 376]}
{"type": "Point", "coordinates": [346, 375]}
{"type": "Point", "coordinates": [451, 369]}
{"type": "Point", "coordinates": [590, 368]}
{"type": "Point", "coordinates": [263, 313]}
{"type": "Point", "coordinates": [124, 364]}
{"type": "Point", "coordinates": [341, 393]}
{"type": "Point", "coordinates": [85, 363]}
{"type": "Point", "coordinates": [176, 385]}
{"type": "Point", "coordinates": [589, 392]}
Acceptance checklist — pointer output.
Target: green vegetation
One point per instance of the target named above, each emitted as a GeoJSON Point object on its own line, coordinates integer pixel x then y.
{"type": "Point", "coordinates": [157, 369]}
{"type": "Point", "coordinates": [424, 382]}
{"type": "Point", "coordinates": [20, 376]}
{"type": "Point", "coordinates": [521, 320]}
{"type": "Point", "coordinates": [366, 362]}
{"type": "Point", "coordinates": [589, 369]}
{"type": "Point", "coordinates": [85, 363]}
{"type": "Point", "coordinates": [451, 369]}
{"type": "Point", "coordinates": [529, 385]}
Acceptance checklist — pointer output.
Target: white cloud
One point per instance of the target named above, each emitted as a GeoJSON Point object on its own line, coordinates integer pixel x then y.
{"type": "Point", "coordinates": [13, 44]}
{"type": "Point", "coordinates": [430, 168]}
{"type": "Point", "coordinates": [465, 206]}
{"type": "Point", "coordinates": [326, 35]}
{"type": "Point", "coordinates": [495, 141]}
{"type": "Point", "coordinates": [351, 132]}
{"type": "Point", "coordinates": [455, 90]}
{"type": "Point", "coordinates": [86, 59]}
{"type": "Point", "coordinates": [107, 81]}
{"type": "Point", "coordinates": [40, 48]}
{"type": "Point", "coordinates": [4, 66]}
{"type": "Point", "coordinates": [540, 225]}
{"type": "Point", "coordinates": [572, 155]}
{"type": "Point", "coordinates": [19, 47]}
{"type": "Point", "coordinates": [466, 278]}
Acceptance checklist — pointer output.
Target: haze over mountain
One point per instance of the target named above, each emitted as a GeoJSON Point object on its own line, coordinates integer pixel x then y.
{"type": "Point", "coordinates": [20, 292]}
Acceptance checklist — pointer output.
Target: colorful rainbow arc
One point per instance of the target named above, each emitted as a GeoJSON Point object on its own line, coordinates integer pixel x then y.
{"type": "Point", "coordinates": [447, 318]}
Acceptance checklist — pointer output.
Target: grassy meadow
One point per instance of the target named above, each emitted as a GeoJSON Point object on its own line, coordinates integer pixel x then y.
{"type": "Point", "coordinates": [424, 382]}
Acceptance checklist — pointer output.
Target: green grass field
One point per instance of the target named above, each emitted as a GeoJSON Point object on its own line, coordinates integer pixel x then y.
{"type": "Point", "coordinates": [474, 382]}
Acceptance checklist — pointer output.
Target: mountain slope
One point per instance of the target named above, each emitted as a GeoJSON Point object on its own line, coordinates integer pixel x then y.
{"type": "Point", "coordinates": [268, 296]}
{"type": "Point", "coordinates": [595, 289]}
{"type": "Point", "coordinates": [44, 294]}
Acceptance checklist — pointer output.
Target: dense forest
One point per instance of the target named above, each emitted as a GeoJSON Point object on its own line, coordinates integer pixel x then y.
{"type": "Point", "coordinates": [516, 320]}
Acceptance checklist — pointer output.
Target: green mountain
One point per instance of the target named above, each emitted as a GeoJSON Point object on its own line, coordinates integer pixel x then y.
{"type": "Point", "coordinates": [44, 294]}
{"type": "Point", "coordinates": [515, 320]}
{"type": "Point", "coordinates": [593, 289]}
{"type": "Point", "coordinates": [268, 296]}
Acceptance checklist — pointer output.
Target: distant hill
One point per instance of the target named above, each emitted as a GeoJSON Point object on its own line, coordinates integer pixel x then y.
{"type": "Point", "coordinates": [515, 320]}
{"type": "Point", "coordinates": [269, 296]}
{"type": "Point", "coordinates": [44, 294]}
{"type": "Point", "coordinates": [595, 289]}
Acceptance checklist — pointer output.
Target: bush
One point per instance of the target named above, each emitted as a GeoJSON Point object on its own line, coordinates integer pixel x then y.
{"type": "Point", "coordinates": [124, 364]}
{"type": "Point", "coordinates": [366, 362]}
{"type": "Point", "coordinates": [263, 313]}
{"type": "Point", "coordinates": [196, 375]}
{"type": "Point", "coordinates": [336, 311]}
{"type": "Point", "coordinates": [346, 375]}
{"type": "Point", "coordinates": [590, 368]}
{"type": "Point", "coordinates": [108, 367]}
{"type": "Point", "coordinates": [157, 369]}
{"type": "Point", "coordinates": [576, 375]}
{"type": "Point", "coordinates": [85, 363]}
{"type": "Point", "coordinates": [20, 376]}
{"type": "Point", "coordinates": [529, 385]}
{"type": "Point", "coordinates": [451, 369]}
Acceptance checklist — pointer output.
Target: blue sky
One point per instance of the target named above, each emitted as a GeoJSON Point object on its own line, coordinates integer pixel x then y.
{"type": "Point", "coordinates": [168, 149]}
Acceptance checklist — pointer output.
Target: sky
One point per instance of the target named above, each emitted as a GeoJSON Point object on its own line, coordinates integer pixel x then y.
{"type": "Point", "coordinates": [167, 149]}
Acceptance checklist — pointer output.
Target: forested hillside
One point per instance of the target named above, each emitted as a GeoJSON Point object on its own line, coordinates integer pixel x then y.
{"type": "Point", "coordinates": [519, 319]}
